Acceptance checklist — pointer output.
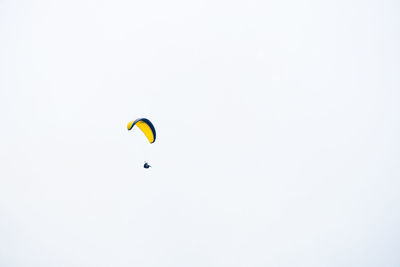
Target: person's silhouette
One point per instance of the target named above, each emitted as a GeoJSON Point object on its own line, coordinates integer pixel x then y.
{"type": "Point", "coordinates": [146, 166]}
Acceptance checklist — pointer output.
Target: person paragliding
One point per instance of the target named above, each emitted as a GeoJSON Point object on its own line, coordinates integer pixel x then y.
{"type": "Point", "coordinates": [148, 130]}
{"type": "Point", "coordinates": [146, 165]}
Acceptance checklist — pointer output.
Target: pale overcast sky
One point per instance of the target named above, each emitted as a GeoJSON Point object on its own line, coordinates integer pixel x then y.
{"type": "Point", "coordinates": [277, 133]}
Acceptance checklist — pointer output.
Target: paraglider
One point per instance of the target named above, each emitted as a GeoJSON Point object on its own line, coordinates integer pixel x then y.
{"type": "Point", "coordinates": [146, 165]}
{"type": "Point", "coordinates": [148, 130]}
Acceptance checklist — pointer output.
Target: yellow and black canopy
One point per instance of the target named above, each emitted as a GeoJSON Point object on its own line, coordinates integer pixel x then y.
{"type": "Point", "coordinates": [147, 128]}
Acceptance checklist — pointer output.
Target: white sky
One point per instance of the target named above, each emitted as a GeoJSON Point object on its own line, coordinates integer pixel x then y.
{"type": "Point", "coordinates": [277, 121]}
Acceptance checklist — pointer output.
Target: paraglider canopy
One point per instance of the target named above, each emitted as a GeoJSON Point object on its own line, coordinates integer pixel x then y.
{"type": "Point", "coordinates": [146, 126]}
